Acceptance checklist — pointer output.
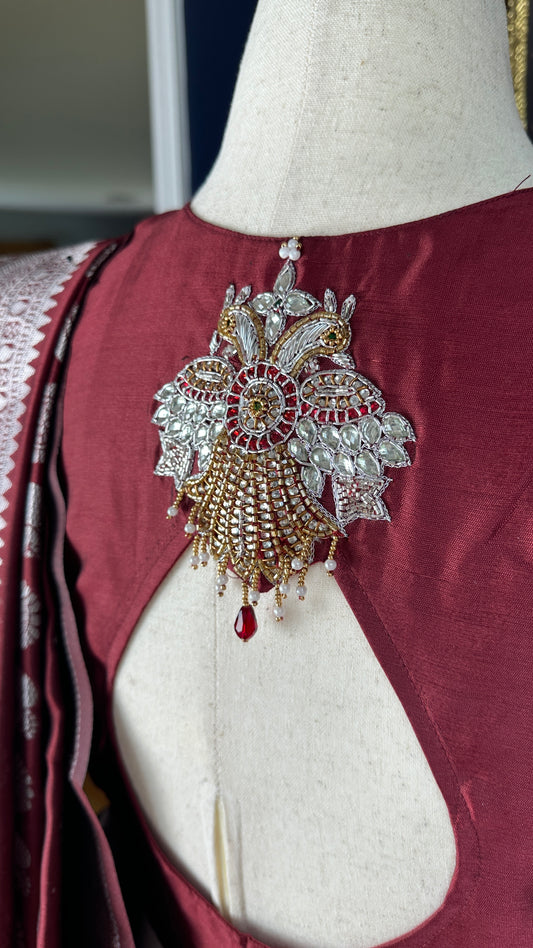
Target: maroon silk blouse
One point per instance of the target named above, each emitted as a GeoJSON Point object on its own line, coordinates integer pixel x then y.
{"type": "Point", "coordinates": [444, 592]}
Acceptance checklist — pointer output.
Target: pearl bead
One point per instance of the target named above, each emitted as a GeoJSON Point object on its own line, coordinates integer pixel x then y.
{"type": "Point", "coordinates": [189, 528]}
{"type": "Point", "coordinates": [330, 565]}
{"type": "Point", "coordinates": [204, 558]}
{"type": "Point", "coordinates": [302, 592]}
{"type": "Point", "coordinates": [253, 597]}
{"type": "Point", "coordinates": [278, 612]}
{"type": "Point", "coordinates": [284, 252]}
{"type": "Point", "coordinates": [297, 563]}
{"type": "Point", "coordinates": [293, 242]}
{"type": "Point", "coordinates": [194, 561]}
{"type": "Point", "coordinates": [223, 579]}
{"type": "Point", "coordinates": [294, 254]}
{"type": "Point", "coordinates": [284, 589]}
{"type": "Point", "coordinates": [172, 512]}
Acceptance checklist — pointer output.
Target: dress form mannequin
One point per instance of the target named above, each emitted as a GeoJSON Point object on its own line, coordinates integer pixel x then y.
{"type": "Point", "coordinates": [343, 120]}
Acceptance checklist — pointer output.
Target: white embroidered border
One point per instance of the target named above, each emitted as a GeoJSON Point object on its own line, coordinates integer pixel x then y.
{"type": "Point", "coordinates": [28, 286]}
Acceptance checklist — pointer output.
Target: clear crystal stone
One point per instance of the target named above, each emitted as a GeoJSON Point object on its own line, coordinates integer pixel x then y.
{"type": "Point", "coordinates": [285, 279]}
{"type": "Point", "coordinates": [313, 480]}
{"type": "Point", "coordinates": [177, 403]}
{"type": "Point", "coordinates": [344, 465]}
{"type": "Point", "coordinates": [200, 412]}
{"type": "Point", "coordinates": [370, 429]}
{"type": "Point", "coordinates": [275, 319]}
{"type": "Point", "coordinates": [393, 453]}
{"type": "Point", "coordinates": [215, 430]}
{"type": "Point", "coordinates": [185, 433]}
{"type": "Point", "coordinates": [263, 302]}
{"type": "Point", "coordinates": [350, 437]}
{"type": "Point", "coordinates": [299, 303]}
{"type": "Point", "coordinates": [174, 426]}
{"type": "Point", "coordinates": [273, 326]}
{"type": "Point", "coordinates": [166, 392]}
{"type": "Point", "coordinates": [189, 409]}
{"type": "Point", "coordinates": [396, 427]}
{"type": "Point", "coordinates": [218, 410]}
{"type": "Point", "coordinates": [161, 415]}
{"type": "Point", "coordinates": [321, 458]}
{"type": "Point", "coordinates": [329, 436]}
{"type": "Point", "coordinates": [203, 455]}
{"type": "Point", "coordinates": [299, 450]}
{"type": "Point", "coordinates": [306, 428]}
{"type": "Point", "coordinates": [201, 433]}
{"type": "Point", "coordinates": [368, 464]}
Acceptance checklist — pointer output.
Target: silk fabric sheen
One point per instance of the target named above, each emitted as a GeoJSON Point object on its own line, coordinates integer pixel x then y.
{"type": "Point", "coordinates": [444, 592]}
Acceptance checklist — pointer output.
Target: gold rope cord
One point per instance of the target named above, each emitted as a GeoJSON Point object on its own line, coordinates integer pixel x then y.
{"type": "Point", "coordinates": [518, 26]}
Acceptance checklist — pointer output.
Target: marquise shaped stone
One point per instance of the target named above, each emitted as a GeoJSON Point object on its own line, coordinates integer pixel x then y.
{"type": "Point", "coordinates": [299, 303]}
{"type": "Point", "coordinates": [322, 459]}
{"type": "Point", "coordinates": [370, 429]}
{"type": "Point", "coordinates": [306, 429]}
{"type": "Point", "coordinates": [396, 426]}
{"type": "Point", "coordinates": [313, 480]}
{"type": "Point", "coordinates": [329, 436]}
{"type": "Point", "coordinates": [299, 450]}
{"type": "Point", "coordinates": [368, 463]}
{"type": "Point", "coordinates": [350, 437]}
{"type": "Point", "coordinates": [393, 453]}
{"type": "Point", "coordinates": [344, 464]}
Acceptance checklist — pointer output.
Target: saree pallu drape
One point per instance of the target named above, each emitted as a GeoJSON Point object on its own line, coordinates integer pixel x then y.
{"type": "Point", "coordinates": [54, 857]}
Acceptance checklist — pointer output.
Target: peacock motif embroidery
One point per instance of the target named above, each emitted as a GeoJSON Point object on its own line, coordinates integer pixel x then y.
{"type": "Point", "coordinates": [256, 432]}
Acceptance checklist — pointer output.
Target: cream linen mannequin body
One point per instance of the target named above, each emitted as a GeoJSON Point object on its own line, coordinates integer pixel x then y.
{"type": "Point", "coordinates": [329, 830]}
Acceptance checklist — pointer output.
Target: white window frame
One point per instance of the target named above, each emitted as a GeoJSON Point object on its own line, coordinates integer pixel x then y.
{"type": "Point", "coordinates": [169, 114]}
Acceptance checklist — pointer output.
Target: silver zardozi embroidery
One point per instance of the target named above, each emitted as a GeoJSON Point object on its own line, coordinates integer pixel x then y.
{"type": "Point", "coordinates": [251, 433]}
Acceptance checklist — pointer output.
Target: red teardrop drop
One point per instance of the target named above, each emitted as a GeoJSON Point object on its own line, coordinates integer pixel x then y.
{"type": "Point", "coordinates": [246, 623]}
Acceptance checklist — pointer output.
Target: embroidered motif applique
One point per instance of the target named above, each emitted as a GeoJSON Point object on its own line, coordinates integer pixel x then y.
{"type": "Point", "coordinates": [252, 432]}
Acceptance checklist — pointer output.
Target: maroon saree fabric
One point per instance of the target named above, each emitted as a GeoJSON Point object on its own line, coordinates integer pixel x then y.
{"type": "Point", "coordinates": [42, 757]}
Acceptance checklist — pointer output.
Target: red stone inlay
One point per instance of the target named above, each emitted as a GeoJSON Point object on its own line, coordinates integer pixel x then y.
{"type": "Point", "coordinates": [374, 406]}
{"type": "Point", "coordinates": [363, 410]}
{"type": "Point", "coordinates": [272, 372]}
{"type": "Point", "coordinates": [232, 411]}
{"type": "Point", "coordinates": [246, 623]}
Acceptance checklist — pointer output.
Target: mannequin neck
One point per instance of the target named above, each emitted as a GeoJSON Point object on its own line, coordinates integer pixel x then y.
{"type": "Point", "coordinates": [349, 116]}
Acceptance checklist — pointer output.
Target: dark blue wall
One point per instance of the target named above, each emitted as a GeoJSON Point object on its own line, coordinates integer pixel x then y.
{"type": "Point", "coordinates": [216, 34]}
